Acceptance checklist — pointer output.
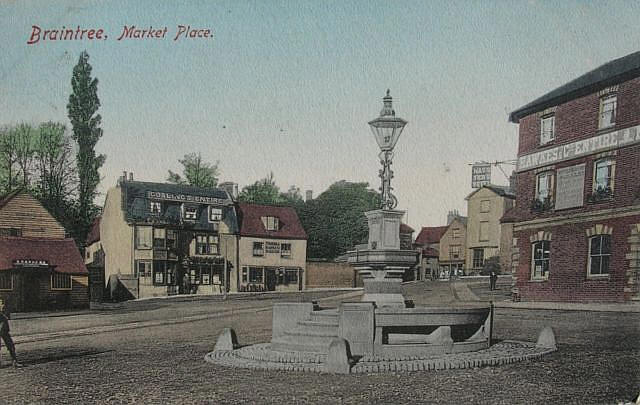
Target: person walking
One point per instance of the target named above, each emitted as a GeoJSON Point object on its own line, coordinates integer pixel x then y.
{"type": "Point", "coordinates": [6, 336]}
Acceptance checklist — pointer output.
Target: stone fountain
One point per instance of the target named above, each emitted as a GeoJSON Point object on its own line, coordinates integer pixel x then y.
{"type": "Point", "coordinates": [380, 332]}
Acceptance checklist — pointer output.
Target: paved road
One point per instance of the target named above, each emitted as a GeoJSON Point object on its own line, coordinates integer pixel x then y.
{"type": "Point", "coordinates": [598, 362]}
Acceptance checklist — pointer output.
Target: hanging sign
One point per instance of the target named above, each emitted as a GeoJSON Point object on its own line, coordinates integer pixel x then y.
{"type": "Point", "coordinates": [480, 174]}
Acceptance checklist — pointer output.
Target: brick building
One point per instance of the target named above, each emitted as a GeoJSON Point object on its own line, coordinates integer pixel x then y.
{"type": "Point", "coordinates": [40, 269]}
{"type": "Point", "coordinates": [576, 223]}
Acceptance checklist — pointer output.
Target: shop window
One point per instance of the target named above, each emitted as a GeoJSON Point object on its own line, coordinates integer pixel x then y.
{"type": "Point", "coordinates": [478, 258]}
{"type": "Point", "coordinates": [255, 274]}
{"type": "Point", "coordinates": [190, 212]}
{"type": "Point", "coordinates": [258, 248]}
{"type": "Point", "coordinates": [285, 249]}
{"type": "Point", "coordinates": [454, 251]}
{"type": "Point", "coordinates": [159, 238]}
{"type": "Point", "coordinates": [599, 255]}
{"type": "Point", "coordinates": [143, 237]}
{"type": "Point", "coordinates": [155, 207]}
{"type": "Point", "coordinates": [60, 281]}
{"type": "Point", "coordinates": [547, 129]}
{"type": "Point", "coordinates": [291, 276]}
{"type": "Point", "coordinates": [11, 232]}
{"type": "Point", "coordinates": [207, 245]}
{"type": "Point", "coordinates": [271, 223]}
{"type": "Point", "coordinates": [215, 214]}
{"type": "Point", "coordinates": [484, 231]}
{"type": "Point", "coordinates": [143, 268]}
{"type": "Point", "coordinates": [159, 272]}
{"type": "Point", "coordinates": [6, 281]}
{"type": "Point", "coordinates": [541, 253]}
{"type": "Point", "coordinates": [608, 107]}
{"type": "Point", "coordinates": [485, 205]}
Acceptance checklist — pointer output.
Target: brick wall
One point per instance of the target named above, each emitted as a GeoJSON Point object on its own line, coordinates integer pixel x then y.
{"type": "Point", "coordinates": [331, 275]}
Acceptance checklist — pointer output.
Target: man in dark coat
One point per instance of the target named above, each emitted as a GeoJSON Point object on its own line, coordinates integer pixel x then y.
{"type": "Point", "coordinates": [4, 334]}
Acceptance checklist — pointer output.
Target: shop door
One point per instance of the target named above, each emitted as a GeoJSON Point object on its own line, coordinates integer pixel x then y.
{"type": "Point", "coordinates": [270, 282]}
{"type": "Point", "coordinates": [31, 292]}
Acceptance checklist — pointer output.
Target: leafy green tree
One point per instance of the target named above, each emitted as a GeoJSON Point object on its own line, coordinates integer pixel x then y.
{"type": "Point", "coordinates": [335, 221]}
{"type": "Point", "coordinates": [264, 191]}
{"type": "Point", "coordinates": [25, 136]}
{"type": "Point", "coordinates": [196, 172]}
{"type": "Point", "coordinates": [8, 159]}
{"type": "Point", "coordinates": [82, 111]}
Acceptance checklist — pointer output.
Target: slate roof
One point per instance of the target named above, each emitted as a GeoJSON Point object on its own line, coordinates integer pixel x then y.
{"type": "Point", "coordinates": [249, 218]}
{"type": "Point", "coordinates": [511, 215]}
{"type": "Point", "coordinates": [430, 252]}
{"type": "Point", "coordinates": [613, 72]}
{"type": "Point", "coordinates": [404, 228]}
{"type": "Point", "coordinates": [61, 253]}
{"type": "Point", "coordinates": [503, 191]}
{"type": "Point", "coordinates": [430, 235]}
{"type": "Point", "coordinates": [94, 232]}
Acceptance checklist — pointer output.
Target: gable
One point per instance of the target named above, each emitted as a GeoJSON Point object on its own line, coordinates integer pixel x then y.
{"type": "Point", "coordinates": [24, 212]}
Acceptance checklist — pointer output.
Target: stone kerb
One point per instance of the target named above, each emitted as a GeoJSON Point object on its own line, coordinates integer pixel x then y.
{"type": "Point", "coordinates": [286, 316]}
{"type": "Point", "coordinates": [356, 325]}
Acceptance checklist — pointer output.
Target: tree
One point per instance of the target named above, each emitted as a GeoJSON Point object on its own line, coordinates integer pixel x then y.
{"type": "Point", "coordinates": [25, 136]}
{"type": "Point", "coordinates": [8, 159]}
{"type": "Point", "coordinates": [335, 221]}
{"type": "Point", "coordinates": [196, 172]}
{"type": "Point", "coordinates": [264, 191]}
{"type": "Point", "coordinates": [82, 111]}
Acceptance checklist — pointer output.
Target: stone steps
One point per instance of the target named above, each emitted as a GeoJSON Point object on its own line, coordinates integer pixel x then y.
{"type": "Point", "coordinates": [312, 335]}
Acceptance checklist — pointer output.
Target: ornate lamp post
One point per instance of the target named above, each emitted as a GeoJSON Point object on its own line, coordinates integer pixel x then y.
{"type": "Point", "coordinates": [387, 129]}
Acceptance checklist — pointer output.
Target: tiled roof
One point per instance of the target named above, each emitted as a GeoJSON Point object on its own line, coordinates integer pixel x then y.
{"type": "Point", "coordinates": [613, 72]}
{"type": "Point", "coordinates": [430, 252]}
{"type": "Point", "coordinates": [503, 191]}
{"type": "Point", "coordinates": [61, 253]}
{"type": "Point", "coordinates": [404, 228]}
{"type": "Point", "coordinates": [511, 215]}
{"type": "Point", "coordinates": [7, 197]}
{"type": "Point", "coordinates": [94, 232]}
{"type": "Point", "coordinates": [249, 216]}
{"type": "Point", "coordinates": [431, 234]}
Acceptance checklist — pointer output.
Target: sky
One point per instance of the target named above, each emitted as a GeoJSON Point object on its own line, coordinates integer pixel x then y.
{"type": "Point", "coordinates": [289, 86]}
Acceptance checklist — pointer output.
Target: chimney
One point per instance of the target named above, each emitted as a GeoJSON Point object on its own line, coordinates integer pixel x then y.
{"type": "Point", "coordinates": [231, 188]}
{"type": "Point", "coordinates": [308, 195]}
{"type": "Point", "coordinates": [451, 215]}
{"type": "Point", "coordinates": [130, 176]}
{"type": "Point", "coordinates": [512, 182]}
{"type": "Point", "coordinates": [122, 178]}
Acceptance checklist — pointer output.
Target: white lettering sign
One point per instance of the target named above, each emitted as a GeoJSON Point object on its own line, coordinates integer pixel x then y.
{"type": "Point", "coordinates": [159, 195]}
{"type": "Point", "coordinates": [599, 143]}
{"type": "Point", "coordinates": [480, 175]}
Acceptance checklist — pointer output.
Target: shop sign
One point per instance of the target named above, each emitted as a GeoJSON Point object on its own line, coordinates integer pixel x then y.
{"type": "Point", "coordinates": [595, 144]}
{"type": "Point", "coordinates": [159, 195]}
{"type": "Point", "coordinates": [570, 189]}
{"type": "Point", "coordinates": [30, 262]}
{"type": "Point", "coordinates": [272, 247]}
{"type": "Point", "coordinates": [480, 174]}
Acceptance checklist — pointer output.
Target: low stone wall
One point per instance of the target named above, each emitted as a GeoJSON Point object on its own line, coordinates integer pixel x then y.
{"type": "Point", "coordinates": [331, 275]}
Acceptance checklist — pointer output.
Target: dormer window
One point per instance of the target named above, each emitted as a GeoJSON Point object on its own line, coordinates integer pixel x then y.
{"type": "Point", "coordinates": [547, 129]}
{"type": "Point", "coordinates": [271, 223]}
{"type": "Point", "coordinates": [155, 208]}
{"type": "Point", "coordinates": [190, 212]}
{"type": "Point", "coordinates": [215, 214]}
{"type": "Point", "coordinates": [608, 106]}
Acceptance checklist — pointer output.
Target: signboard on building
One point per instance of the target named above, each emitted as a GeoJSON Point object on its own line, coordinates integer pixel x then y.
{"type": "Point", "coordinates": [160, 195]}
{"type": "Point", "coordinates": [570, 188]}
{"type": "Point", "coordinates": [272, 247]}
{"type": "Point", "coordinates": [599, 143]}
{"type": "Point", "coordinates": [480, 174]}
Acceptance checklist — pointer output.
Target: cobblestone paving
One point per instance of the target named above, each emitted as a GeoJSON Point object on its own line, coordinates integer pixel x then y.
{"type": "Point", "coordinates": [598, 361]}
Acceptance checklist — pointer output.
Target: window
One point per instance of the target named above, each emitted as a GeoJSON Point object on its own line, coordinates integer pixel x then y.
{"type": "Point", "coordinates": [541, 252]}
{"type": "Point", "coordinates": [599, 255]}
{"type": "Point", "coordinates": [544, 185]}
{"type": "Point", "coordinates": [285, 250]}
{"type": "Point", "coordinates": [159, 238]}
{"type": "Point", "coordinates": [454, 251]}
{"type": "Point", "coordinates": [215, 214]}
{"type": "Point", "coordinates": [271, 223]}
{"type": "Point", "coordinates": [484, 231]}
{"type": "Point", "coordinates": [155, 207]}
{"type": "Point", "coordinates": [6, 281]}
{"type": "Point", "coordinates": [60, 281]}
{"type": "Point", "coordinates": [172, 238]}
{"type": "Point", "coordinates": [258, 249]}
{"type": "Point", "coordinates": [143, 237]}
{"type": "Point", "coordinates": [10, 232]}
{"type": "Point", "coordinates": [245, 273]}
{"type": "Point", "coordinates": [607, 117]}
{"type": "Point", "coordinates": [478, 258]}
{"type": "Point", "coordinates": [190, 212]}
{"type": "Point", "coordinates": [159, 272]}
{"type": "Point", "coordinates": [603, 175]}
{"type": "Point", "coordinates": [485, 206]}
{"type": "Point", "coordinates": [547, 129]}
{"type": "Point", "coordinates": [255, 274]}
{"type": "Point", "coordinates": [291, 276]}
{"type": "Point", "coordinates": [455, 233]}
{"type": "Point", "coordinates": [143, 268]}
{"type": "Point", "coordinates": [206, 245]}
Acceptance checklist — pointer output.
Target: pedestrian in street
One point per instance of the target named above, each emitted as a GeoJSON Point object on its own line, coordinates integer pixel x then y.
{"type": "Point", "coordinates": [6, 336]}
{"type": "Point", "coordinates": [186, 284]}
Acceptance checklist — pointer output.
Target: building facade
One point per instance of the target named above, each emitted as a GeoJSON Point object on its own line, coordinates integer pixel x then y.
{"type": "Point", "coordinates": [453, 247]}
{"type": "Point", "coordinates": [40, 269]}
{"type": "Point", "coordinates": [576, 225]}
{"type": "Point", "coordinates": [485, 207]}
{"type": "Point", "coordinates": [428, 243]}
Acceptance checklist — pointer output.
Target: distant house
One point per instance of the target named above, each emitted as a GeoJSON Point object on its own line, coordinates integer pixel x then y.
{"type": "Point", "coordinates": [453, 246]}
{"type": "Point", "coordinates": [428, 241]}
{"type": "Point", "coordinates": [40, 269]}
